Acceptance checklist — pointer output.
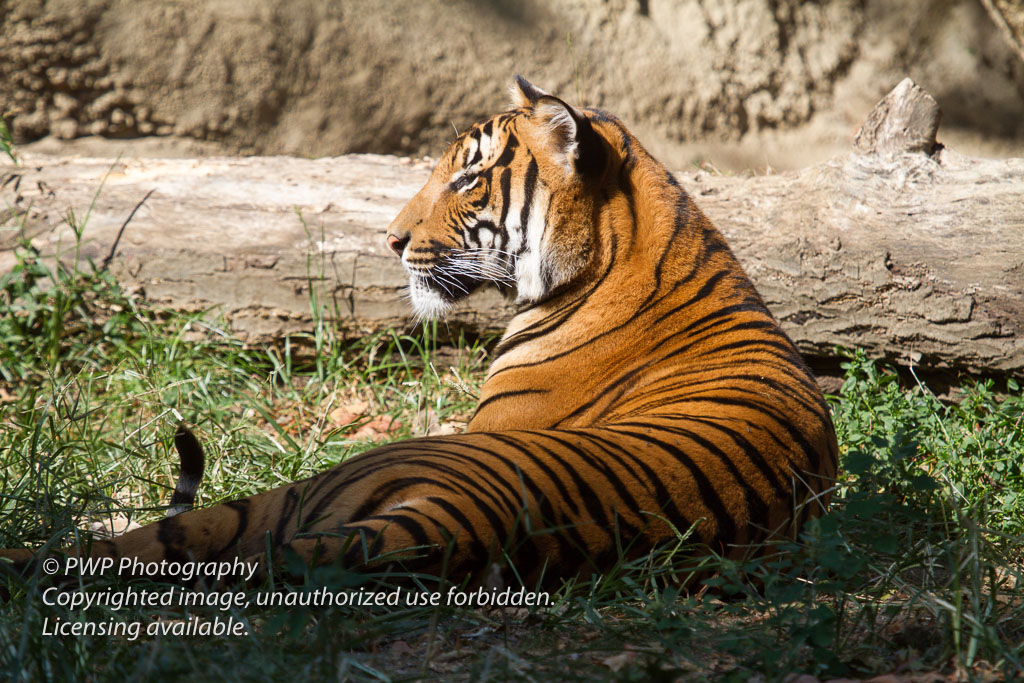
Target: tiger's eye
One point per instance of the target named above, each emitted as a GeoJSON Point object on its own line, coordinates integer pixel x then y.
{"type": "Point", "coordinates": [463, 180]}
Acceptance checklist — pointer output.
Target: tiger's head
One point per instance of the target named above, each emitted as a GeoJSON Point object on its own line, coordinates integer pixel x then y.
{"type": "Point", "coordinates": [511, 202]}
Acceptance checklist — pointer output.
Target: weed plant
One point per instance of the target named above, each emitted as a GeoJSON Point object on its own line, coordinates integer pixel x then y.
{"type": "Point", "coordinates": [7, 140]}
{"type": "Point", "coordinates": [916, 567]}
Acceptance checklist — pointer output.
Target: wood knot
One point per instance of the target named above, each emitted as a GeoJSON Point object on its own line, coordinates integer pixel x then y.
{"type": "Point", "coordinates": [906, 120]}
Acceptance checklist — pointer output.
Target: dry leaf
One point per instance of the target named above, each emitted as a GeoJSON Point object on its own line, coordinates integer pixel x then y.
{"type": "Point", "coordinates": [619, 661]}
{"type": "Point", "coordinates": [378, 428]}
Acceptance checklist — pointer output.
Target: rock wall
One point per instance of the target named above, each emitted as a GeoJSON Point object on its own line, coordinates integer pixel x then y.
{"type": "Point", "coordinates": [314, 79]}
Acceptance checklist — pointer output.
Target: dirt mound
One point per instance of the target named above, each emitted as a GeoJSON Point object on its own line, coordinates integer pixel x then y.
{"type": "Point", "coordinates": [777, 80]}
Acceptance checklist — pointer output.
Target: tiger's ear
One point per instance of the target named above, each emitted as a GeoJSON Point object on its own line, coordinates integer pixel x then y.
{"type": "Point", "coordinates": [524, 93]}
{"type": "Point", "coordinates": [571, 136]}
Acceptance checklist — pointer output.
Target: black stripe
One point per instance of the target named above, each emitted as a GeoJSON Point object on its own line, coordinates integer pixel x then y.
{"type": "Point", "coordinates": [597, 463]}
{"type": "Point", "coordinates": [539, 463]}
{"type": "Point", "coordinates": [757, 507]}
{"type": "Point", "coordinates": [460, 517]}
{"type": "Point", "coordinates": [508, 394]}
{"type": "Point", "coordinates": [781, 420]}
{"type": "Point", "coordinates": [653, 480]}
{"type": "Point", "coordinates": [726, 530]}
{"type": "Point", "coordinates": [472, 461]}
{"type": "Point", "coordinates": [704, 291]}
{"type": "Point", "coordinates": [505, 184]}
{"type": "Point", "coordinates": [550, 516]}
{"type": "Point", "coordinates": [241, 508]}
{"type": "Point", "coordinates": [529, 184]}
{"type": "Point", "coordinates": [596, 506]}
{"type": "Point", "coordinates": [173, 537]}
{"type": "Point", "coordinates": [391, 490]}
{"type": "Point", "coordinates": [507, 154]}
{"type": "Point", "coordinates": [411, 526]}
{"type": "Point", "coordinates": [291, 501]}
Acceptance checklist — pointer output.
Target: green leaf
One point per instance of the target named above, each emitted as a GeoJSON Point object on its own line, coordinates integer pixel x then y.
{"type": "Point", "coordinates": [865, 508]}
{"type": "Point", "coordinates": [858, 462]}
{"type": "Point", "coordinates": [885, 543]}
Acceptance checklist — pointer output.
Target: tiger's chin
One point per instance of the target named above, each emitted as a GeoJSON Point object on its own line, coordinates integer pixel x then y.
{"type": "Point", "coordinates": [428, 303]}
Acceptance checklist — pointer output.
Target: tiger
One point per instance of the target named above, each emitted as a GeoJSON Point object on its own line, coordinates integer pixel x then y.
{"type": "Point", "coordinates": [641, 389]}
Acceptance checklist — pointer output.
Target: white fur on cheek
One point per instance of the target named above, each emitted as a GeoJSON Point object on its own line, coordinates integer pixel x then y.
{"type": "Point", "coordinates": [529, 282]}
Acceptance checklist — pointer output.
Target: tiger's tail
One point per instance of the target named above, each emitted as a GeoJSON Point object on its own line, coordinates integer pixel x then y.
{"type": "Point", "coordinates": [190, 474]}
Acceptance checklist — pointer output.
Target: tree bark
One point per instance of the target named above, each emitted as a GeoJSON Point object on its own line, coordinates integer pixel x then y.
{"type": "Point", "coordinates": [906, 249]}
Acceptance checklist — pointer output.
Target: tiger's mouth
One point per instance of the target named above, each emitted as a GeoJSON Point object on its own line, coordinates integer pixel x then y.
{"type": "Point", "coordinates": [435, 292]}
{"type": "Point", "coordinates": [453, 277]}
{"type": "Point", "coordinates": [453, 287]}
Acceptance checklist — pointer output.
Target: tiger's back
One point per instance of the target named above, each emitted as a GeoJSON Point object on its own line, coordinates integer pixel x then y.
{"type": "Point", "coordinates": [643, 387]}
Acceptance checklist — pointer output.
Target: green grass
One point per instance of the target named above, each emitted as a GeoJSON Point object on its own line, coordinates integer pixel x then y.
{"type": "Point", "coordinates": [917, 567]}
{"type": "Point", "coordinates": [7, 140]}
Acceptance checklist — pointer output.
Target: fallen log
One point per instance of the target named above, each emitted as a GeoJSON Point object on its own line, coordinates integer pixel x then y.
{"type": "Point", "coordinates": [904, 248]}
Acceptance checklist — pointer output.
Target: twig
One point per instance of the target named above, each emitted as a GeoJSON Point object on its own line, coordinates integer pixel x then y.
{"type": "Point", "coordinates": [117, 240]}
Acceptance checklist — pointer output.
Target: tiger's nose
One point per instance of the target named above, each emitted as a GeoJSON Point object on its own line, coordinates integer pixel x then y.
{"type": "Point", "coordinates": [397, 243]}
